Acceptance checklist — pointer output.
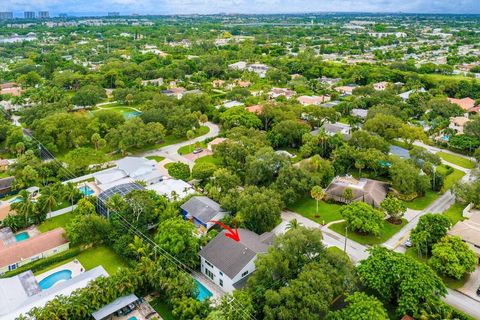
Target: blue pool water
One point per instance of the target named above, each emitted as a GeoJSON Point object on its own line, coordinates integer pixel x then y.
{"type": "Point", "coordinates": [15, 200]}
{"type": "Point", "coordinates": [132, 318]}
{"type": "Point", "coordinates": [86, 190]}
{"type": "Point", "coordinates": [203, 293]}
{"type": "Point", "coordinates": [131, 114]}
{"type": "Point", "coordinates": [52, 279]}
{"type": "Point", "coordinates": [22, 236]}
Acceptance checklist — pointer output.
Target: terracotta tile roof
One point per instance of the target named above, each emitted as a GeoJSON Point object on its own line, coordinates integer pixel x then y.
{"type": "Point", "coordinates": [465, 103]}
{"type": "Point", "coordinates": [258, 108]}
{"type": "Point", "coordinates": [31, 247]}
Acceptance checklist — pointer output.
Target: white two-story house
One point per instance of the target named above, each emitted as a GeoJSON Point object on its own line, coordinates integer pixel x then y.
{"type": "Point", "coordinates": [228, 263]}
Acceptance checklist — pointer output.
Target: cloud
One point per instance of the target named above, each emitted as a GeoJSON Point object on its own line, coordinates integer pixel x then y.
{"type": "Point", "coordinates": [242, 6]}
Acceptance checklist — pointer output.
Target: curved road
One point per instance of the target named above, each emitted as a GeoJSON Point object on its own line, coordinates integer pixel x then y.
{"type": "Point", "coordinates": [170, 151]}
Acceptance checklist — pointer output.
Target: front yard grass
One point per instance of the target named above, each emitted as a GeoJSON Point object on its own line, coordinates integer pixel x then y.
{"type": "Point", "coordinates": [327, 212]}
{"type": "Point", "coordinates": [451, 179]}
{"type": "Point", "coordinates": [156, 158]}
{"type": "Point", "coordinates": [210, 159]}
{"type": "Point", "coordinates": [458, 160]}
{"type": "Point", "coordinates": [189, 148]}
{"type": "Point", "coordinates": [455, 213]}
{"type": "Point", "coordinates": [422, 202]}
{"type": "Point", "coordinates": [56, 222]}
{"type": "Point", "coordinates": [387, 231]}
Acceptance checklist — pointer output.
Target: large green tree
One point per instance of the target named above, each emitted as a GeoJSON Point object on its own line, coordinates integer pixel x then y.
{"type": "Point", "coordinates": [452, 257]}
{"type": "Point", "coordinates": [360, 306]}
{"type": "Point", "coordinates": [362, 218]}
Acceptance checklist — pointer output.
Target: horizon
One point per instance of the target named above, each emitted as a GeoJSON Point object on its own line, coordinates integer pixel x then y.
{"type": "Point", "coordinates": [78, 8]}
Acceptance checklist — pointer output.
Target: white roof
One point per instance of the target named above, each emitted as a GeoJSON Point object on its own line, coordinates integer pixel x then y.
{"type": "Point", "coordinates": [13, 303]}
{"type": "Point", "coordinates": [169, 187]}
{"type": "Point", "coordinates": [111, 184]}
{"type": "Point", "coordinates": [109, 176]}
{"type": "Point", "coordinates": [136, 166]}
{"type": "Point", "coordinates": [230, 104]}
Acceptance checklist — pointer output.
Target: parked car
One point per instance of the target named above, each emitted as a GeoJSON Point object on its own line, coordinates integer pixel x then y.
{"type": "Point", "coordinates": [408, 243]}
{"type": "Point", "coordinates": [197, 150]}
{"type": "Point", "coordinates": [478, 291]}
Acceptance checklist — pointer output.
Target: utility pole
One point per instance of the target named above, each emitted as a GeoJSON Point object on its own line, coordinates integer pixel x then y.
{"type": "Point", "coordinates": [346, 234]}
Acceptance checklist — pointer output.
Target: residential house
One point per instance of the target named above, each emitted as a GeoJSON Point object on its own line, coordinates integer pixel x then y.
{"type": "Point", "coordinates": [399, 152]}
{"type": "Point", "coordinates": [201, 210]}
{"type": "Point", "coordinates": [20, 293]}
{"type": "Point", "coordinates": [257, 109]}
{"type": "Point", "coordinates": [240, 65]}
{"type": "Point", "coordinates": [346, 90]}
{"type": "Point", "coordinates": [277, 92]}
{"type": "Point", "coordinates": [458, 123]}
{"type": "Point", "coordinates": [172, 189]}
{"type": "Point", "coordinates": [313, 100]}
{"type": "Point", "coordinates": [128, 169]}
{"type": "Point", "coordinates": [329, 81]}
{"type": "Point", "coordinates": [469, 231]}
{"type": "Point", "coordinates": [259, 68]}
{"type": "Point", "coordinates": [333, 128]}
{"type": "Point", "coordinates": [380, 86]}
{"type": "Point", "coordinates": [15, 254]}
{"type": "Point", "coordinates": [175, 92]}
{"type": "Point", "coordinates": [242, 83]}
{"type": "Point", "coordinates": [465, 103]}
{"type": "Point", "coordinates": [366, 190]}
{"type": "Point", "coordinates": [4, 164]}
{"type": "Point", "coordinates": [11, 88]}
{"type": "Point", "coordinates": [6, 185]}
{"type": "Point", "coordinates": [211, 145]}
{"type": "Point", "coordinates": [218, 83]}
{"type": "Point", "coordinates": [228, 263]}
{"type": "Point", "coordinates": [359, 113]}
{"type": "Point", "coordinates": [231, 104]}
{"type": "Point", "coordinates": [406, 95]}
{"type": "Point", "coordinates": [153, 82]}
{"type": "Point", "coordinates": [129, 306]}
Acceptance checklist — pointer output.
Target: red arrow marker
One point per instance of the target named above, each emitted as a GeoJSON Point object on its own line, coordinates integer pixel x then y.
{"type": "Point", "coordinates": [230, 234]}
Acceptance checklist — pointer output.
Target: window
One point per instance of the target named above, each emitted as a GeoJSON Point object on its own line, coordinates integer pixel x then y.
{"type": "Point", "coordinates": [209, 264]}
{"type": "Point", "coordinates": [221, 283]}
{"type": "Point", "coordinates": [221, 273]}
{"type": "Point", "coordinates": [244, 274]}
{"type": "Point", "coordinates": [209, 273]}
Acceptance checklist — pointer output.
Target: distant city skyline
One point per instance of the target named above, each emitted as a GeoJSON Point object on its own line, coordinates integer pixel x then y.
{"type": "Point", "coordinates": [127, 7]}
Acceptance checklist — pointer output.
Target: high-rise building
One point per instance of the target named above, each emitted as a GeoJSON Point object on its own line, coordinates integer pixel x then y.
{"type": "Point", "coordinates": [43, 15]}
{"type": "Point", "coordinates": [29, 15]}
{"type": "Point", "coordinates": [114, 14]}
{"type": "Point", "coordinates": [6, 15]}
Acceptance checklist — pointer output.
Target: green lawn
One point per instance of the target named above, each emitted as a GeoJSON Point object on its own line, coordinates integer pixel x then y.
{"type": "Point", "coordinates": [172, 140]}
{"type": "Point", "coordinates": [455, 213]}
{"type": "Point", "coordinates": [450, 283]}
{"type": "Point", "coordinates": [189, 148]}
{"type": "Point", "coordinates": [458, 160]}
{"type": "Point", "coordinates": [94, 257]}
{"type": "Point", "coordinates": [422, 202]}
{"type": "Point", "coordinates": [388, 230]}
{"type": "Point", "coordinates": [55, 222]}
{"type": "Point", "coordinates": [156, 158]}
{"type": "Point", "coordinates": [327, 212]}
{"type": "Point", "coordinates": [210, 159]}
{"type": "Point", "coordinates": [163, 309]}
{"type": "Point", "coordinates": [451, 179]}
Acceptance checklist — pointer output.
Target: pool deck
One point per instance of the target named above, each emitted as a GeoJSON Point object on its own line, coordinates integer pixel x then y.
{"type": "Point", "coordinates": [75, 266]}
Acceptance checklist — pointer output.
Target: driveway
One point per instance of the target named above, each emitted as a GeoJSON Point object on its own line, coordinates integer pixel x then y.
{"type": "Point", "coordinates": [471, 286]}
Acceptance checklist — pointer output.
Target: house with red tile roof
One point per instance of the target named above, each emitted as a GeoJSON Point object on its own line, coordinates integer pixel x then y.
{"type": "Point", "coordinates": [313, 100]}
{"type": "Point", "coordinates": [257, 109]}
{"type": "Point", "coordinates": [465, 103]}
{"type": "Point", "coordinates": [14, 254]}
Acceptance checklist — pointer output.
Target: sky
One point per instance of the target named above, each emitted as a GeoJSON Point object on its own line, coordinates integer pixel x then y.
{"type": "Point", "coordinates": [239, 6]}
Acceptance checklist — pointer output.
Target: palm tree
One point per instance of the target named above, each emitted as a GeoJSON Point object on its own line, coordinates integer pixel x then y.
{"type": "Point", "coordinates": [293, 224]}
{"type": "Point", "coordinates": [25, 206]}
{"type": "Point", "coordinates": [48, 198]}
{"type": "Point", "coordinates": [318, 194]}
{"type": "Point", "coordinates": [70, 192]}
{"type": "Point", "coordinates": [348, 195]}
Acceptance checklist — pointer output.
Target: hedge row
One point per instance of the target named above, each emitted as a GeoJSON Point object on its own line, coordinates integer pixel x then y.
{"type": "Point", "coordinates": [44, 263]}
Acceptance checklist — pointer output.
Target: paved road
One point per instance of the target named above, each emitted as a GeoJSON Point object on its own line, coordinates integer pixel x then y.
{"type": "Point", "coordinates": [170, 151]}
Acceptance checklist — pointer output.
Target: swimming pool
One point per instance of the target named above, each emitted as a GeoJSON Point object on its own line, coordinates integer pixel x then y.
{"type": "Point", "coordinates": [15, 200]}
{"type": "Point", "coordinates": [22, 236]}
{"type": "Point", "coordinates": [52, 279]}
{"type": "Point", "coordinates": [203, 293]}
{"type": "Point", "coordinates": [132, 318]}
{"type": "Point", "coordinates": [86, 190]}
{"type": "Point", "coordinates": [131, 114]}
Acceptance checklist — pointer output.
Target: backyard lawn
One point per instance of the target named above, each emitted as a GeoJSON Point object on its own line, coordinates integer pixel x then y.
{"type": "Point", "coordinates": [55, 222]}
{"type": "Point", "coordinates": [163, 309]}
{"type": "Point", "coordinates": [327, 212]}
{"type": "Point", "coordinates": [422, 202]}
{"type": "Point", "coordinates": [156, 158]}
{"type": "Point", "coordinates": [455, 213]}
{"type": "Point", "coordinates": [388, 230]}
{"type": "Point", "coordinates": [451, 179]}
{"type": "Point", "coordinates": [458, 160]}
{"type": "Point", "coordinates": [92, 258]}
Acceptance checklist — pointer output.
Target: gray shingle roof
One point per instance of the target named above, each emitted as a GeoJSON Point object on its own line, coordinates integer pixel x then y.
{"type": "Point", "coordinates": [230, 256]}
{"type": "Point", "coordinates": [202, 208]}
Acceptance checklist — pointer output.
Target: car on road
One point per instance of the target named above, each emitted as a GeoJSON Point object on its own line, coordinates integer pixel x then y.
{"type": "Point", "coordinates": [408, 243]}
{"type": "Point", "coordinates": [478, 291]}
{"type": "Point", "coordinates": [197, 150]}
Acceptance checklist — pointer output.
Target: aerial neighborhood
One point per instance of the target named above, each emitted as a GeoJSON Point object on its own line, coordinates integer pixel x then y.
{"type": "Point", "coordinates": [239, 166]}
